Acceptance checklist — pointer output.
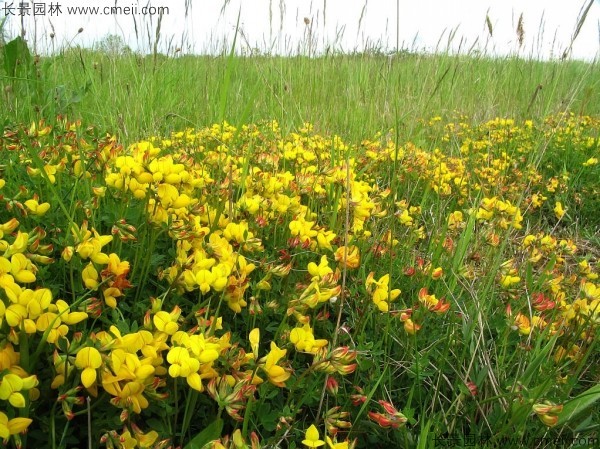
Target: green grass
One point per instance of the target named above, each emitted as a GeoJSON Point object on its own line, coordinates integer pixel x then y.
{"type": "Point", "coordinates": [350, 95]}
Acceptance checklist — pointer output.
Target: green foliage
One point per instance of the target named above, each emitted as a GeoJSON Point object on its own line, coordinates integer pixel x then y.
{"type": "Point", "coordinates": [17, 59]}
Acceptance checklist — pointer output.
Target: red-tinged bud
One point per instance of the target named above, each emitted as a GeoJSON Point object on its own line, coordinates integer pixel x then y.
{"type": "Point", "coordinates": [332, 430]}
{"type": "Point", "coordinates": [124, 415]}
{"type": "Point", "coordinates": [148, 320]}
{"type": "Point", "coordinates": [448, 244]}
{"type": "Point", "coordinates": [472, 388]}
{"type": "Point", "coordinates": [405, 314]}
{"type": "Point", "coordinates": [394, 420]}
{"type": "Point", "coordinates": [389, 408]}
{"type": "Point", "coordinates": [344, 370]}
{"type": "Point", "coordinates": [547, 408]}
{"type": "Point", "coordinates": [94, 307]}
{"type": "Point", "coordinates": [9, 226]}
{"type": "Point", "coordinates": [67, 253]}
{"type": "Point", "coordinates": [281, 270]}
{"type": "Point", "coordinates": [156, 383]}
{"type": "Point", "coordinates": [66, 408]}
{"type": "Point", "coordinates": [549, 420]}
{"type": "Point", "coordinates": [261, 221]}
{"type": "Point", "coordinates": [508, 310]}
{"type": "Point", "coordinates": [211, 389]}
{"type": "Point", "coordinates": [332, 386]}
{"type": "Point", "coordinates": [323, 315]}
{"type": "Point", "coordinates": [409, 271]}
{"type": "Point", "coordinates": [17, 441]}
{"type": "Point", "coordinates": [254, 441]}
{"type": "Point", "coordinates": [34, 245]}
{"type": "Point", "coordinates": [163, 444]}
{"type": "Point", "coordinates": [254, 307]}
{"type": "Point", "coordinates": [342, 424]}
{"type": "Point", "coordinates": [411, 327]}
{"type": "Point", "coordinates": [437, 273]}
{"type": "Point", "coordinates": [13, 336]}
{"type": "Point", "coordinates": [284, 255]}
{"type": "Point", "coordinates": [441, 307]}
{"type": "Point", "coordinates": [343, 354]}
{"type": "Point", "coordinates": [77, 337]}
{"type": "Point", "coordinates": [306, 244]}
{"type": "Point", "coordinates": [541, 302]}
{"type": "Point", "coordinates": [44, 260]}
{"type": "Point", "coordinates": [382, 420]}
{"type": "Point", "coordinates": [359, 398]}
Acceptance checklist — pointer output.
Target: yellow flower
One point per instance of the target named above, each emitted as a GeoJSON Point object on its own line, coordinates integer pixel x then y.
{"type": "Point", "coordinates": [591, 291]}
{"type": "Point", "coordinates": [126, 441]}
{"type": "Point", "coordinates": [382, 295]}
{"type": "Point", "coordinates": [22, 269]}
{"type": "Point", "coordinates": [349, 256]}
{"type": "Point", "coordinates": [19, 245]}
{"type": "Point", "coordinates": [324, 239]}
{"type": "Point", "coordinates": [11, 387]}
{"type": "Point", "coordinates": [145, 440]}
{"type": "Point", "coordinates": [204, 279]}
{"type": "Point", "coordinates": [110, 296]}
{"type": "Point", "coordinates": [37, 209]}
{"type": "Point", "coordinates": [507, 280]}
{"type": "Point", "coordinates": [277, 374]}
{"type": "Point", "coordinates": [13, 426]}
{"type": "Point", "coordinates": [254, 338]}
{"type": "Point", "coordinates": [67, 317]}
{"type": "Point", "coordinates": [90, 277]}
{"type": "Point", "coordinates": [332, 445]}
{"type": "Point", "coordinates": [319, 271]}
{"type": "Point", "coordinates": [558, 210]}
{"type": "Point", "coordinates": [411, 327]}
{"type": "Point", "coordinates": [51, 319]}
{"type": "Point", "coordinates": [167, 322]}
{"type": "Point", "coordinates": [304, 340]}
{"type": "Point", "coordinates": [311, 437]}
{"type": "Point", "coordinates": [91, 247]}
{"type": "Point", "coordinates": [115, 266]}
{"type": "Point", "coordinates": [89, 360]}
{"type": "Point", "coordinates": [456, 220]}
{"type": "Point", "coordinates": [182, 365]}
{"type": "Point", "coordinates": [522, 323]}
{"type": "Point", "coordinates": [405, 218]}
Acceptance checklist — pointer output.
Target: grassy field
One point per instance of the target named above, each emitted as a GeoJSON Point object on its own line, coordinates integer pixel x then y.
{"type": "Point", "coordinates": [350, 95]}
{"type": "Point", "coordinates": [373, 251]}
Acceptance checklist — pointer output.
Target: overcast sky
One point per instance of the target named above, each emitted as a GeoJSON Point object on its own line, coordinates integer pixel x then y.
{"type": "Point", "coordinates": [279, 26]}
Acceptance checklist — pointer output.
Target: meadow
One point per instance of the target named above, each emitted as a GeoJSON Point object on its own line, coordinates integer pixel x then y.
{"type": "Point", "coordinates": [343, 251]}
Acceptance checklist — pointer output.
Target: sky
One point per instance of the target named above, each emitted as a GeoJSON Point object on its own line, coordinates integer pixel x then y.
{"type": "Point", "coordinates": [313, 27]}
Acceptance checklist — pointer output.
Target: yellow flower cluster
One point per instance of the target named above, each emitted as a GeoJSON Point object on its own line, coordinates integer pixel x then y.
{"type": "Point", "coordinates": [224, 217]}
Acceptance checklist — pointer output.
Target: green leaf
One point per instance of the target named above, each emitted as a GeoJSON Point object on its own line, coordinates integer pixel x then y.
{"type": "Point", "coordinates": [16, 54]}
{"type": "Point", "coordinates": [578, 405]}
{"type": "Point", "coordinates": [210, 433]}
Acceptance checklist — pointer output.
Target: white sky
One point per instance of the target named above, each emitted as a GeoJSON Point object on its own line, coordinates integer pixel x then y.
{"type": "Point", "coordinates": [278, 26]}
